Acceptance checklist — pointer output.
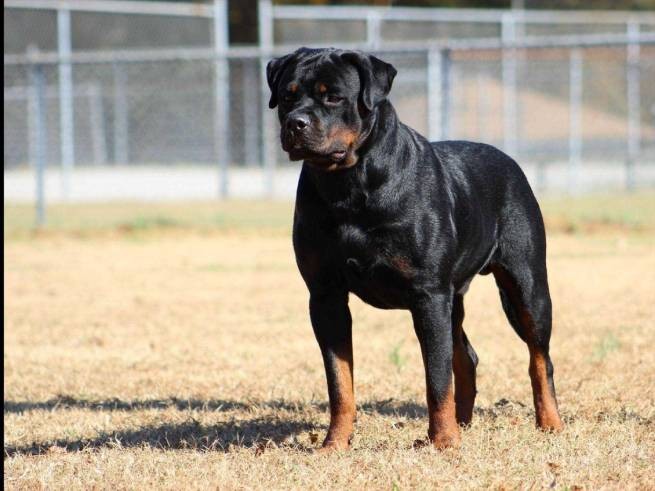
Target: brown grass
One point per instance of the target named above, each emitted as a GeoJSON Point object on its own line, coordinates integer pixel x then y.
{"type": "Point", "coordinates": [184, 358]}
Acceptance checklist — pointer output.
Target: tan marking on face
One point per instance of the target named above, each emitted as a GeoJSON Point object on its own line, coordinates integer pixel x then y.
{"type": "Point", "coordinates": [341, 137]}
{"type": "Point", "coordinates": [322, 88]}
{"type": "Point", "coordinates": [341, 134]}
{"type": "Point", "coordinates": [293, 88]}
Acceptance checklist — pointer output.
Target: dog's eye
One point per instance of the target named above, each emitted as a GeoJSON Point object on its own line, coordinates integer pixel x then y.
{"type": "Point", "coordinates": [289, 97]}
{"type": "Point", "coordinates": [333, 99]}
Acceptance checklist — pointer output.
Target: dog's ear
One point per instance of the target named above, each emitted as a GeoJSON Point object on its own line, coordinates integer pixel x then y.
{"type": "Point", "coordinates": [375, 76]}
{"type": "Point", "coordinates": [274, 71]}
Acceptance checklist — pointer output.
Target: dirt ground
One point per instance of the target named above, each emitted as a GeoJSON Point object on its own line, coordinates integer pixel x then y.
{"type": "Point", "coordinates": [150, 354]}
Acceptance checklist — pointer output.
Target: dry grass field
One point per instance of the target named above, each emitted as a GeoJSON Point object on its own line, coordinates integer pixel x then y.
{"type": "Point", "coordinates": [169, 346]}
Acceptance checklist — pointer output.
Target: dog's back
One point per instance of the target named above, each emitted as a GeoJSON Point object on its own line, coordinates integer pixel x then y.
{"type": "Point", "coordinates": [488, 182]}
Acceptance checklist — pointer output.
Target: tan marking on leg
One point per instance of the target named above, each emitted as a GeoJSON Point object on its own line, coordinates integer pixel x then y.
{"type": "Point", "coordinates": [443, 430]}
{"type": "Point", "coordinates": [342, 410]}
{"type": "Point", "coordinates": [463, 367]}
{"type": "Point", "coordinates": [545, 404]}
{"type": "Point", "coordinates": [464, 384]}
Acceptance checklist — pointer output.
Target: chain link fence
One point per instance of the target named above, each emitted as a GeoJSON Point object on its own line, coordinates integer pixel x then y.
{"type": "Point", "coordinates": [578, 113]}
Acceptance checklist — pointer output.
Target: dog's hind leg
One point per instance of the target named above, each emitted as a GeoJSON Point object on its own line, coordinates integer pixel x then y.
{"type": "Point", "coordinates": [526, 300]}
{"type": "Point", "coordinates": [465, 362]}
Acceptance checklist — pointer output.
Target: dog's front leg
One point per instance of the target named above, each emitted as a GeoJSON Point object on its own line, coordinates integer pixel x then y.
{"type": "Point", "coordinates": [432, 323]}
{"type": "Point", "coordinates": [332, 325]}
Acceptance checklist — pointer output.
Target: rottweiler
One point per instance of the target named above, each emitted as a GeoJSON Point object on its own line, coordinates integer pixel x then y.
{"type": "Point", "coordinates": [404, 223]}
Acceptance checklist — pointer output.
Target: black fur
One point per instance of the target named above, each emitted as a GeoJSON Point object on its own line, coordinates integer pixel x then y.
{"type": "Point", "coordinates": [401, 222]}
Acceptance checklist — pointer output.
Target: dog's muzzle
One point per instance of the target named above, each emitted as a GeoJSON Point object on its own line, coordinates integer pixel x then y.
{"type": "Point", "coordinates": [295, 131]}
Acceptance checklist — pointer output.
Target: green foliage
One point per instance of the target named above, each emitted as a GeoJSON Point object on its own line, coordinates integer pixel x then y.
{"type": "Point", "coordinates": [136, 218]}
{"type": "Point", "coordinates": [396, 358]}
{"type": "Point", "coordinates": [607, 344]}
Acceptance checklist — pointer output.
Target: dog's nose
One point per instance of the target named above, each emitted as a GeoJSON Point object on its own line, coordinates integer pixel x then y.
{"type": "Point", "coordinates": [298, 123]}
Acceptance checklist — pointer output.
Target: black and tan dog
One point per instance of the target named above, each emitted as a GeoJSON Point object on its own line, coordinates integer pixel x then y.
{"type": "Point", "coordinates": [405, 224]}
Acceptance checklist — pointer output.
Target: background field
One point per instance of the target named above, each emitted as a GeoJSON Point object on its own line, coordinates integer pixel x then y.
{"type": "Point", "coordinates": [170, 345]}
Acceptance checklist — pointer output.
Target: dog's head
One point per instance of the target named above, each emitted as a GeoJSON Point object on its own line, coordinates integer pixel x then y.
{"type": "Point", "coordinates": [325, 98]}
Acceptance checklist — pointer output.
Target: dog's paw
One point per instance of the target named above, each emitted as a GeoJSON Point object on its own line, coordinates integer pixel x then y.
{"type": "Point", "coordinates": [443, 441]}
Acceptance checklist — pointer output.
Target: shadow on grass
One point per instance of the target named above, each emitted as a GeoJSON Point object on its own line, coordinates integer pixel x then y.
{"type": "Point", "coordinates": [258, 432]}
{"type": "Point", "coordinates": [190, 435]}
{"type": "Point", "coordinates": [275, 429]}
{"type": "Point", "coordinates": [67, 402]}
{"type": "Point", "coordinates": [395, 408]}
{"type": "Point", "coordinates": [388, 407]}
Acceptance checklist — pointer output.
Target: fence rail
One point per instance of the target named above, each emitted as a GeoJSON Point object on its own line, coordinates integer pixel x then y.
{"type": "Point", "coordinates": [442, 22]}
{"type": "Point", "coordinates": [116, 7]}
{"type": "Point", "coordinates": [422, 14]}
{"type": "Point", "coordinates": [234, 53]}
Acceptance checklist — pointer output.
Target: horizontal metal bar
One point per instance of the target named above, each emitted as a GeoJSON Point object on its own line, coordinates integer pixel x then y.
{"type": "Point", "coordinates": [422, 14]}
{"type": "Point", "coordinates": [22, 92]}
{"type": "Point", "coordinates": [116, 7]}
{"type": "Point", "coordinates": [540, 42]}
{"type": "Point", "coordinates": [479, 44]}
{"type": "Point", "coordinates": [208, 54]}
{"type": "Point", "coordinates": [292, 12]}
{"type": "Point", "coordinates": [347, 12]}
{"type": "Point", "coordinates": [125, 56]}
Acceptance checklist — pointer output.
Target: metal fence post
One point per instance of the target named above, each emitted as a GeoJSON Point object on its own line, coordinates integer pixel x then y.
{"type": "Point", "coordinates": [221, 95]}
{"type": "Point", "coordinates": [121, 118]}
{"type": "Point", "coordinates": [483, 109]}
{"type": "Point", "coordinates": [446, 95]}
{"type": "Point", "coordinates": [575, 119]}
{"type": "Point", "coordinates": [97, 124]}
{"type": "Point", "coordinates": [509, 67]}
{"type": "Point", "coordinates": [439, 72]}
{"type": "Point", "coordinates": [373, 21]}
{"type": "Point", "coordinates": [434, 94]}
{"type": "Point", "coordinates": [267, 116]}
{"type": "Point", "coordinates": [66, 109]}
{"type": "Point", "coordinates": [38, 137]}
{"type": "Point", "coordinates": [633, 101]}
{"type": "Point", "coordinates": [250, 111]}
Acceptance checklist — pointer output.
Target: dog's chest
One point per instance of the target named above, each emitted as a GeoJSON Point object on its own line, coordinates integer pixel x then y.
{"type": "Point", "coordinates": [376, 264]}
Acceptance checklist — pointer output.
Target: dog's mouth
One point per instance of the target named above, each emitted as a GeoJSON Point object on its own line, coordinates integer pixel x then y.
{"type": "Point", "coordinates": [338, 155]}
{"type": "Point", "coordinates": [318, 158]}
{"type": "Point", "coordinates": [318, 153]}
{"type": "Point", "coordinates": [338, 159]}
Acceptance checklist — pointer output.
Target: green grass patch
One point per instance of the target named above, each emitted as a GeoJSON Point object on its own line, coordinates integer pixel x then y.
{"type": "Point", "coordinates": [631, 212]}
{"type": "Point", "coordinates": [396, 358]}
{"type": "Point", "coordinates": [604, 346]}
{"type": "Point", "coordinates": [623, 212]}
{"type": "Point", "coordinates": [142, 218]}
